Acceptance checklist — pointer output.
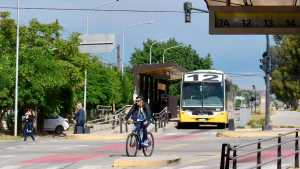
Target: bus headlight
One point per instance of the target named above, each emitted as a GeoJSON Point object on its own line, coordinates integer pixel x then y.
{"type": "Point", "coordinates": [189, 112]}
{"type": "Point", "coordinates": [221, 113]}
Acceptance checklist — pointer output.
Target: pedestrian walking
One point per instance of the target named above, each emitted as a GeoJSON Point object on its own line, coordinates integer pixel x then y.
{"type": "Point", "coordinates": [28, 127]}
{"type": "Point", "coordinates": [80, 119]}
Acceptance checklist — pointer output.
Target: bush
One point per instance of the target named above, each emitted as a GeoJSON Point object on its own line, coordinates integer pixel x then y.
{"type": "Point", "coordinates": [256, 122]}
{"type": "Point", "coordinates": [9, 118]}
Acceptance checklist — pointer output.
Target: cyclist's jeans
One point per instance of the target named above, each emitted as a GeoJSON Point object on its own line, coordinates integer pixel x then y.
{"type": "Point", "coordinates": [140, 127]}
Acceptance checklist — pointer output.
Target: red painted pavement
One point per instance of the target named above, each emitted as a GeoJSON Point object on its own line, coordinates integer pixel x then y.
{"type": "Point", "coordinates": [119, 147]}
{"type": "Point", "coordinates": [266, 155]}
{"type": "Point", "coordinates": [64, 158]}
{"type": "Point", "coordinates": [112, 147]}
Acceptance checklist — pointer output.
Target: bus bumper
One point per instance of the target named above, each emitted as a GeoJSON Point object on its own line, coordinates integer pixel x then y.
{"type": "Point", "coordinates": [220, 117]}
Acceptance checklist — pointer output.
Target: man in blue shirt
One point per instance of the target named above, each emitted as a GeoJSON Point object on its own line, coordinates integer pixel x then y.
{"type": "Point", "coordinates": [80, 119]}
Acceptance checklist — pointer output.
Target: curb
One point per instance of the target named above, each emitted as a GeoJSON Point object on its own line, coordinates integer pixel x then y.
{"type": "Point", "coordinates": [144, 162]}
{"type": "Point", "coordinates": [247, 134]}
{"type": "Point", "coordinates": [285, 126]}
{"type": "Point", "coordinates": [94, 137]}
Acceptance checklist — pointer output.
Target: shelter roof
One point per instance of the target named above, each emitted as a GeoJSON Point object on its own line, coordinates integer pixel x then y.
{"type": "Point", "coordinates": [167, 71]}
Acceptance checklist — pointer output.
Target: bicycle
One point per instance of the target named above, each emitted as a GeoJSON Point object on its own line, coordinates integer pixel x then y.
{"type": "Point", "coordinates": [134, 143]}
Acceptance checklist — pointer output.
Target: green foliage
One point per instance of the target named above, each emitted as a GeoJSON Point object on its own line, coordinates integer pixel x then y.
{"type": "Point", "coordinates": [286, 76]}
{"type": "Point", "coordinates": [51, 71]}
{"type": "Point", "coordinates": [257, 121]}
{"type": "Point", "coordinates": [184, 55]}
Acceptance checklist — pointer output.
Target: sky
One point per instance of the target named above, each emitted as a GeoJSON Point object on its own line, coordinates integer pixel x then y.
{"type": "Point", "coordinates": [231, 53]}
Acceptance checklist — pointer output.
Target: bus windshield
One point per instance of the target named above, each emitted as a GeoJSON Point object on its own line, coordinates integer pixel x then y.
{"type": "Point", "coordinates": [203, 95]}
{"type": "Point", "coordinates": [213, 95]}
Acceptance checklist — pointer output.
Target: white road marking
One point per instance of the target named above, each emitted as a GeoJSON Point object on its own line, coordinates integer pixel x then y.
{"type": "Point", "coordinates": [91, 167]}
{"type": "Point", "coordinates": [167, 168]}
{"type": "Point", "coordinates": [195, 167]}
{"type": "Point", "coordinates": [6, 156]}
{"type": "Point", "coordinates": [11, 167]}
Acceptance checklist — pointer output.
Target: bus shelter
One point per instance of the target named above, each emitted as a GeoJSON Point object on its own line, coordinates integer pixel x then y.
{"type": "Point", "coordinates": [152, 81]}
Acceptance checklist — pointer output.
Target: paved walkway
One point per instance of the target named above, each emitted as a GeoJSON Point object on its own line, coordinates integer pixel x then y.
{"type": "Point", "coordinates": [286, 118]}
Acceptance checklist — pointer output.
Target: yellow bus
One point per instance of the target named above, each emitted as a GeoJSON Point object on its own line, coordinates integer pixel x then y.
{"type": "Point", "coordinates": [204, 98]}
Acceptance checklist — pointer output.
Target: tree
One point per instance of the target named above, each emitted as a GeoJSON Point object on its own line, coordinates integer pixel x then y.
{"type": "Point", "coordinates": [286, 75]}
{"type": "Point", "coordinates": [184, 55]}
{"type": "Point", "coordinates": [51, 74]}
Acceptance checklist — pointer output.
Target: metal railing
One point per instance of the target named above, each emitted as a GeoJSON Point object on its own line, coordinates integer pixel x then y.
{"type": "Point", "coordinates": [115, 119]}
{"type": "Point", "coordinates": [230, 155]}
{"type": "Point", "coordinates": [161, 118]}
{"type": "Point", "coordinates": [118, 119]}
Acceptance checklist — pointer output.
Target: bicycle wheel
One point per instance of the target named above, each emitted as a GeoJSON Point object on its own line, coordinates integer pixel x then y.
{"type": "Point", "coordinates": [131, 145]}
{"type": "Point", "coordinates": [148, 150]}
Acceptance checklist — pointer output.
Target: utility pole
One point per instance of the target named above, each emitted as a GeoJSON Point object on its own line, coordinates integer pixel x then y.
{"type": "Point", "coordinates": [266, 67]}
{"type": "Point", "coordinates": [17, 69]}
{"type": "Point", "coordinates": [119, 57]}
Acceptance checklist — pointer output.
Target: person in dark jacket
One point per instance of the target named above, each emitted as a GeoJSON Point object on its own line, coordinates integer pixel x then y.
{"type": "Point", "coordinates": [28, 128]}
{"type": "Point", "coordinates": [79, 118]}
{"type": "Point", "coordinates": [141, 115]}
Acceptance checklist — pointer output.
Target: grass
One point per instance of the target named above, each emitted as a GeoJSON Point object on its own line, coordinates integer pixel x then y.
{"type": "Point", "coordinates": [4, 137]}
{"type": "Point", "coordinates": [256, 121]}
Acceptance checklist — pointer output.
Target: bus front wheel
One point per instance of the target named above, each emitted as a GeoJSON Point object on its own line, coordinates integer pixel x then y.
{"type": "Point", "coordinates": [222, 126]}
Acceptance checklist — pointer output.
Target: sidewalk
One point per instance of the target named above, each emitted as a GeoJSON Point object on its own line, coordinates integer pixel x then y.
{"type": "Point", "coordinates": [253, 133]}
{"type": "Point", "coordinates": [141, 162]}
{"type": "Point", "coordinates": [115, 135]}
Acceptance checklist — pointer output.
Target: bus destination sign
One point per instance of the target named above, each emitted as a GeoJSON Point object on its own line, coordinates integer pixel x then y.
{"type": "Point", "coordinates": [254, 20]}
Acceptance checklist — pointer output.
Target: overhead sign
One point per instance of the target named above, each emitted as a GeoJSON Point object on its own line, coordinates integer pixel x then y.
{"type": "Point", "coordinates": [97, 43]}
{"type": "Point", "coordinates": [254, 20]}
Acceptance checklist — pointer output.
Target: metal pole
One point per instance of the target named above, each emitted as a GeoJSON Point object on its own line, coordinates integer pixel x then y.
{"type": "Point", "coordinates": [279, 153]}
{"type": "Point", "coordinates": [267, 107]}
{"type": "Point", "coordinates": [121, 123]}
{"type": "Point", "coordinates": [84, 99]}
{"type": "Point", "coordinates": [222, 165]}
{"type": "Point", "coordinates": [123, 53]}
{"type": "Point", "coordinates": [227, 156]}
{"type": "Point", "coordinates": [150, 55]}
{"type": "Point", "coordinates": [254, 101]}
{"type": "Point", "coordinates": [297, 150]}
{"type": "Point", "coordinates": [164, 55]}
{"type": "Point", "coordinates": [85, 73]}
{"type": "Point", "coordinates": [258, 157]}
{"type": "Point", "coordinates": [234, 163]}
{"type": "Point", "coordinates": [17, 69]}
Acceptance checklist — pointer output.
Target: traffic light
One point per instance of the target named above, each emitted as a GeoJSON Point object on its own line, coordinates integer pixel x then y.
{"type": "Point", "coordinates": [265, 63]}
{"type": "Point", "coordinates": [187, 6]}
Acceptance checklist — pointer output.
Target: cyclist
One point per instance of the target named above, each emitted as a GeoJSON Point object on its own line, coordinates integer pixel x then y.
{"type": "Point", "coordinates": [140, 113]}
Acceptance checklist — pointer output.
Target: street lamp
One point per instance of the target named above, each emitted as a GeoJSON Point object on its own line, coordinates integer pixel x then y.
{"type": "Point", "coordinates": [101, 5]}
{"type": "Point", "coordinates": [150, 53]}
{"type": "Point", "coordinates": [87, 32]}
{"type": "Point", "coordinates": [165, 50]}
{"type": "Point", "coordinates": [123, 40]}
{"type": "Point", "coordinates": [17, 68]}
